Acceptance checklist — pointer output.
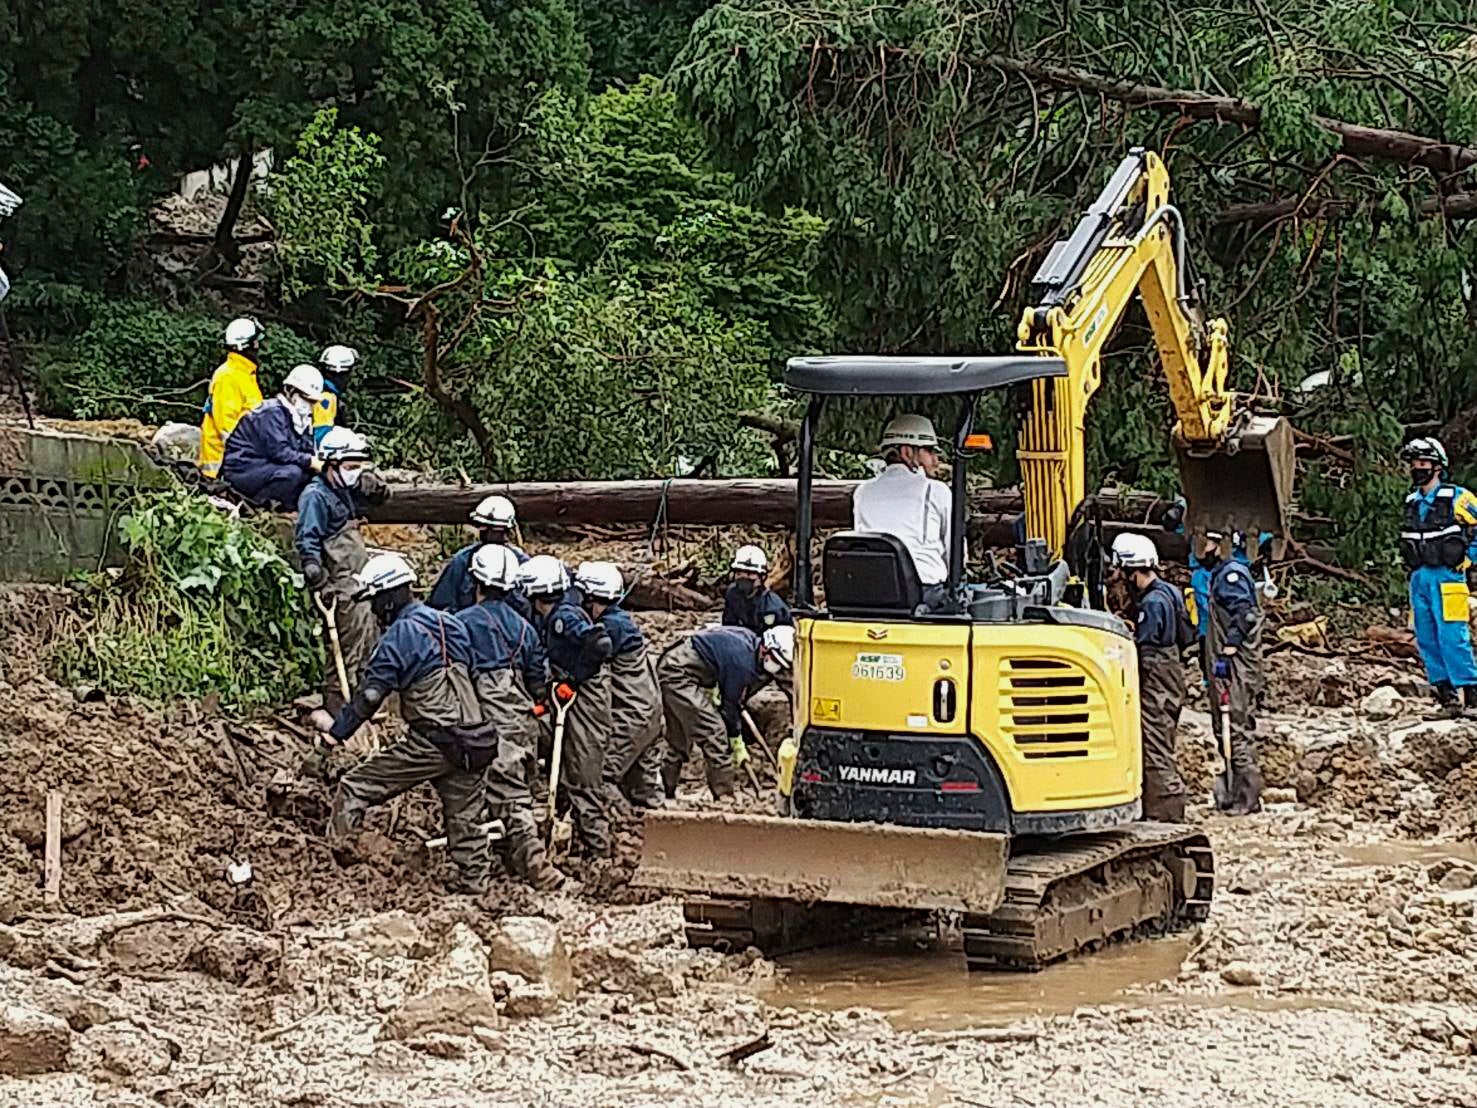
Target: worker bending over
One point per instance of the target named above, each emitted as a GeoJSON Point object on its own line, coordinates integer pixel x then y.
{"type": "Point", "coordinates": [904, 500]}
{"type": "Point", "coordinates": [1235, 641]}
{"type": "Point", "coordinates": [736, 662]}
{"type": "Point", "coordinates": [632, 760]}
{"type": "Point", "coordinates": [511, 674]}
{"type": "Point", "coordinates": [331, 551]}
{"type": "Point", "coordinates": [1438, 538]}
{"type": "Point", "coordinates": [749, 601]}
{"type": "Point", "coordinates": [270, 455]}
{"type": "Point", "coordinates": [233, 391]}
{"type": "Point", "coordinates": [425, 656]}
{"type": "Point", "coordinates": [1161, 631]}
{"type": "Point", "coordinates": [578, 649]}
{"type": "Point", "coordinates": [335, 363]}
{"type": "Point", "coordinates": [495, 519]}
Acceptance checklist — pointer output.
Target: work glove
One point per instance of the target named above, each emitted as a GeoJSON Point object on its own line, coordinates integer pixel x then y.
{"type": "Point", "coordinates": [1223, 669]}
{"type": "Point", "coordinates": [564, 692]}
{"type": "Point", "coordinates": [539, 711]}
{"type": "Point", "coordinates": [315, 575]}
{"type": "Point", "coordinates": [740, 751]}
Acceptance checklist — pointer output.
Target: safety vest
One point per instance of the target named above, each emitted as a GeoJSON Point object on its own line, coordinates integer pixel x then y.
{"type": "Point", "coordinates": [1437, 540]}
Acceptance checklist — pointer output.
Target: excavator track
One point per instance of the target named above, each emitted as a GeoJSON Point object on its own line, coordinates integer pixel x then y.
{"type": "Point", "coordinates": [1080, 892]}
{"type": "Point", "coordinates": [1062, 896]}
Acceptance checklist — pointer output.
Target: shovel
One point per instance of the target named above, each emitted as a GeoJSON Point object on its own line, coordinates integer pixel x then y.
{"type": "Point", "coordinates": [1222, 786]}
{"type": "Point", "coordinates": [554, 831]}
{"type": "Point", "coordinates": [330, 619]}
{"type": "Point", "coordinates": [757, 734]}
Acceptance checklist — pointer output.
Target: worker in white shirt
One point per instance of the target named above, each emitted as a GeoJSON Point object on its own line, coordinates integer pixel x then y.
{"type": "Point", "coordinates": [905, 500]}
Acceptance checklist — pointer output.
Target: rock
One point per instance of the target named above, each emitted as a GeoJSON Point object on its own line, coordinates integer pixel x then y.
{"type": "Point", "coordinates": [80, 1008]}
{"type": "Point", "coordinates": [532, 947]}
{"type": "Point", "coordinates": [1279, 796]}
{"type": "Point", "coordinates": [488, 1038]}
{"type": "Point", "coordinates": [1395, 920]}
{"type": "Point", "coordinates": [177, 440]}
{"type": "Point", "coordinates": [20, 949]}
{"type": "Point", "coordinates": [531, 1002]}
{"type": "Point", "coordinates": [122, 1049]}
{"type": "Point", "coordinates": [31, 1041]}
{"type": "Point", "coordinates": [448, 994]}
{"type": "Point", "coordinates": [440, 1046]}
{"type": "Point", "coordinates": [623, 971]}
{"type": "Point", "coordinates": [389, 935]}
{"type": "Point", "coordinates": [1457, 879]}
{"type": "Point", "coordinates": [1461, 1046]}
{"type": "Point", "coordinates": [1241, 973]}
{"type": "Point", "coordinates": [503, 983]}
{"type": "Point", "coordinates": [239, 956]}
{"type": "Point", "coordinates": [1383, 703]}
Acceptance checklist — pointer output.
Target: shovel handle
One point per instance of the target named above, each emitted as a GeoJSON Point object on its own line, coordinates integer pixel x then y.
{"type": "Point", "coordinates": [556, 757]}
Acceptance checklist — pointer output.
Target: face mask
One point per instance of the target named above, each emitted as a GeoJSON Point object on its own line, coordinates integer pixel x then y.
{"type": "Point", "coordinates": [1211, 560]}
{"type": "Point", "coordinates": [350, 477]}
{"type": "Point", "coordinates": [384, 608]}
{"type": "Point", "coordinates": [772, 665]}
{"type": "Point", "coordinates": [746, 586]}
{"type": "Point", "coordinates": [1420, 475]}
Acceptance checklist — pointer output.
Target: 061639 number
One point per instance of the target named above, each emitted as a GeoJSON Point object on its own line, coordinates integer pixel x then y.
{"type": "Point", "coordinates": [879, 667]}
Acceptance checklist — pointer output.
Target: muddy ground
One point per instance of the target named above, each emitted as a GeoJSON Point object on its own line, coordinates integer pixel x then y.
{"type": "Point", "coordinates": [1337, 967]}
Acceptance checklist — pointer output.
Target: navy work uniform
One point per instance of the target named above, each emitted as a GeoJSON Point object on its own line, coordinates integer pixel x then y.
{"type": "Point", "coordinates": [327, 535]}
{"type": "Point", "coordinates": [456, 590]}
{"type": "Point", "coordinates": [1236, 622]}
{"type": "Point", "coordinates": [632, 757]}
{"type": "Point", "coordinates": [1161, 631]}
{"type": "Point", "coordinates": [758, 610]}
{"type": "Point", "coordinates": [577, 649]}
{"type": "Point", "coordinates": [268, 458]}
{"type": "Point", "coordinates": [725, 658]}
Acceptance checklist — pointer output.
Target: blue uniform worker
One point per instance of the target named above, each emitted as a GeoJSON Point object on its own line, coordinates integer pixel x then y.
{"type": "Point", "coordinates": [725, 658]}
{"type": "Point", "coordinates": [269, 456]}
{"type": "Point", "coordinates": [1233, 647]}
{"type": "Point", "coordinates": [455, 588]}
{"type": "Point", "coordinates": [1438, 540]}
{"type": "Point", "coordinates": [503, 640]}
{"type": "Point", "coordinates": [632, 756]}
{"type": "Point", "coordinates": [757, 608]}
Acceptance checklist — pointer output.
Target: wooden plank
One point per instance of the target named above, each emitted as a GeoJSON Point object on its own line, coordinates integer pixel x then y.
{"type": "Point", "coordinates": [53, 848]}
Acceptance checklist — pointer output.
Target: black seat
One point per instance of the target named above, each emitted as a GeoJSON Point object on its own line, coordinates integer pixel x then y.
{"type": "Point", "coordinates": [870, 574]}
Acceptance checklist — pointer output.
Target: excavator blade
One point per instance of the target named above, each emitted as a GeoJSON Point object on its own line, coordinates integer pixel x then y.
{"type": "Point", "coordinates": [1245, 484]}
{"type": "Point", "coordinates": [723, 854]}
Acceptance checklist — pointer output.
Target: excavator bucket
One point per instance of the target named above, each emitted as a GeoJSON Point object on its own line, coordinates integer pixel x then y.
{"type": "Point", "coordinates": [1245, 484]}
{"type": "Point", "coordinates": [728, 855]}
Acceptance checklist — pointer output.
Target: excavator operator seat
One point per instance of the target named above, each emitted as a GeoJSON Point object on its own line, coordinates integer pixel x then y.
{"type": "Point", "coordinates": [869, 574]}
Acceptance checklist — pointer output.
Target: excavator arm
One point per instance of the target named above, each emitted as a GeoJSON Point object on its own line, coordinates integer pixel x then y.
{"type": "Point", "coordinates": [1236, 469]}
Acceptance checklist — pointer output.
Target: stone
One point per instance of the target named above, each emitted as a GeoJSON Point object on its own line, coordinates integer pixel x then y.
{"type": "Point", "coordinates": [32, 1041]}
{"type": "Point", "coordinates": [1241, 973]}
{"type": "Point", "coordinates": [1395, 920]}
{"type": "Point", "coordinates": [440, 1046]}
{"type": "Point", "coordinates": [20, 949]}
{"type": "Point", "coordinates": [80, 1008]}
{"type": "Point", "coordinates": [1461, 1046]}
{"type": "Point", "coordinates": [503, 983]}
{"type": "Point", "coordinates": [1279, 796]}
{"type": "Point", "coordinates": [238, 955]}
{"type": "Point", "coordinates": [177, 440]}
{"type": "Point", "coordinates": [533, 948]}
{"type": "Point", "coordinates": [1457, 879]}
{"type": "Point", "coordinates": [122, 1049]}
{"type": "Point", "coordinates": [449, 993]}
{"type": "Point", "coordinates": [1384, 702]}
{"type": "Point", "coordinates": [531, 1002]}
{"type": "Point", "coordinates": [389, 935]}
{"type": "Point", "coordinates": [623, 971]}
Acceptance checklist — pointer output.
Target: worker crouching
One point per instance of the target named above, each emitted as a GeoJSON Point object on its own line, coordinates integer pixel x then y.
{"type": "Point", "coordinates": [331, 550]}
{"type": "Point", "coordinates": [736, 662]}
{"type": "Point", "coordinates": [269, 457]}
{"type": "Point", "coordinates": [578, 650]}
{"type": "Point", "coordinates": [1161, 633]}
{"type": "Point", "coordinates": [632, 760]}
{"type": "Point", "coordinates": [425, 656]}
{"type": "Point", "coordinates": [1438, 537]}
{"type": "Point", "coordinates": [511, 675]}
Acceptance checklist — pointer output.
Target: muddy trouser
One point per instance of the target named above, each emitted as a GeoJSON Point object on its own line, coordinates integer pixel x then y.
{"type": "Point", "coordinates": [1161, 697]}
{"type": "Point", "coordinates": [633, 760]}
{"type": "Point", "coordinates": [1244, 683]}
{"type": "Point", "coordinates": [343, 556]}
{"type": "Point", "coordinates": [687, 682]}
{"type": "Point", "coordinates": [586, 729]}
{"type": "Point", "coordinates": [508, 708]}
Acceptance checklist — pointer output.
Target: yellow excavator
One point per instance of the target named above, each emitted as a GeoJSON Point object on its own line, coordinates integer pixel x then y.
{"type": "Point", "coordinates": [982, 755]}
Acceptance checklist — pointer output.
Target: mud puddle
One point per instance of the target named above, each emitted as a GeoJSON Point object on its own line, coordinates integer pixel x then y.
{"type": "Point", "coordinates": [1393, 853]}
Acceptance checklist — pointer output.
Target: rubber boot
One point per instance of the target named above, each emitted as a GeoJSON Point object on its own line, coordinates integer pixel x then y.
{"type": "Point", "coordinates": [720, 783]}
{"type": "Point", "coordinates": [1160, 808]}
{"type": "Point", "coordinates": [1248, 796]}
{"type": "Point", "coordinates": [1447, 704]}
{"type": "Point", "coordinates": [526, 858]}
{"type": "Point", "coordinates": [671, 774]}
{"type": "Point", "coordinates": [1469, 701]}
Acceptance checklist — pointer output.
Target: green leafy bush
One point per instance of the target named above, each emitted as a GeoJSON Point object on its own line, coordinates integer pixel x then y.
{"type": "Point", "coordinates": [205, 603]}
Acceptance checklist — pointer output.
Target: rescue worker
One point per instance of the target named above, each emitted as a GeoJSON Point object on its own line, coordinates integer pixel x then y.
{"type": "Point", "coordinates": [1161, 632]}
{"type": "Point", "coordinates": [736, 662]}
{"type": "Point", "coordinates": [331, 551]}
{"type": "Point", "coordinates": [1234, 642]}
{"type": "Point", "coordinates": [425, 656]}
{"type": "Point", "coordinates": [578, 649]}
{"type": "Point", "coordinates": [269, 456]}
{"type": "Point", "coordinates": [633, 760]}
{"type": "Point", "coordinates": [335, 363]}
{"type": "Point", "coordinates": [749, 601]}
{"type": "Point", "coordinates": [495, 519]}
{"type": "Point", "coordinates": [905, 500]}
{"type": "Point", "coordinates": [233, 392]}
{"type": "Point", "coordinates": [1438, 539]}
{"type": "Point", "coordinates": [511, 674]}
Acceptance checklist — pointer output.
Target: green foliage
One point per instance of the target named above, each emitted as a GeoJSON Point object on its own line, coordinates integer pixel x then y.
{"type": "Point", "coordinates": [205, 603]}
{"type": "Point", "coordinates": [133, 358]}
{"type": "Point", "coordinates": [629, 38]}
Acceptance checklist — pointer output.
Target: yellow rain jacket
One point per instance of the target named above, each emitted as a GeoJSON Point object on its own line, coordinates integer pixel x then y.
{"type": "Point", "coordinates": [233, 392]}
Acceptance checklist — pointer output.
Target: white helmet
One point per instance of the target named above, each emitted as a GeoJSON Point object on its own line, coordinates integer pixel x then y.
{"type": "Point", "coordinates": [750, 559]}
{"type": "Point", "coordinates": [910, 430]}
{"type": "Point", "coordinates": [600, 581]}
{"type": "Point", "coordinates": [1135, 552]}
{"type": "Point", "coordinates": [779, 647]}
{"type": "Point", "coordinates": [495, 566]}
{"type": "Point", "coordinates": [495, 511]}
{"type": "Point", "coordinates": [339, 444]}
{"type": "Point", "coordinates": [305, 379]}
{"type": "Point", "coordinates": [243, 334]}
{"type": "Point", "coordinates": [338, 359]}
{"type": "Point", "coordinates": [543, 575]}
{"type": "Point", "coordinates": [382, 573]}
{"type": "Point", "coordinates": [1427, 449]}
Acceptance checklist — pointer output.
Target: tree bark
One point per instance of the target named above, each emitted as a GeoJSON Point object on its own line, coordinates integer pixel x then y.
{"type": "Point", "coordinates": [226, 247]}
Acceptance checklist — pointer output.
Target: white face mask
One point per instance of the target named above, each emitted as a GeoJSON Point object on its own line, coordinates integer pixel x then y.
{"type": "Point", "coordinates": [772, 665]}
{"type": "Point", "coordinates": [350, 477]}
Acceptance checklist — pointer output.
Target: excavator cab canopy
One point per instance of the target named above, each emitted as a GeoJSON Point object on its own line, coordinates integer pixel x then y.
{"type": "Point", "coordinates": [863, 375]}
